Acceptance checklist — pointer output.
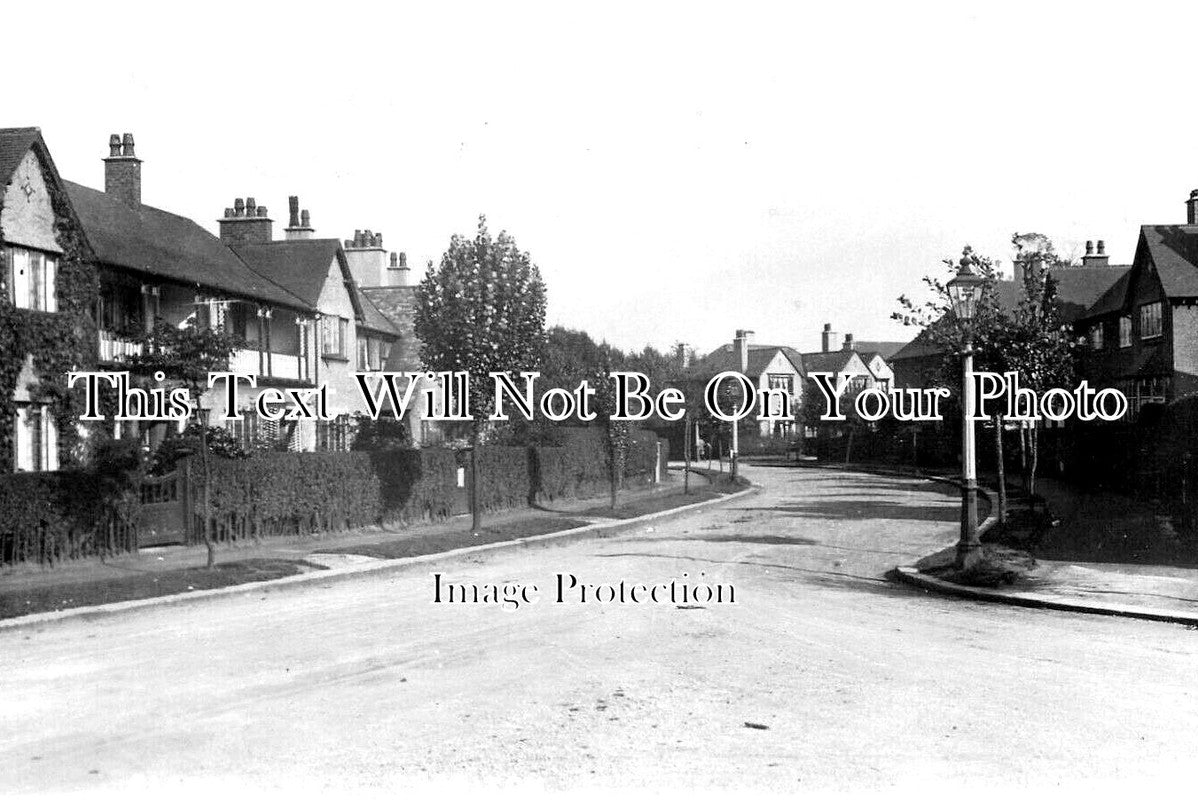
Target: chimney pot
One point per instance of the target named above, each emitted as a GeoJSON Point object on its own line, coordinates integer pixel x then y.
{"type": "Point", "coordinates": [114, 146]}
{"type": "Point", "coordinates": [848, 341]}
{"type": "Point", "coordinates": [1089, 247]}
{"type": "Point", "coordinates": [305, 220]}
{"type": "Point", "coordinates": [127, 146]}
{"type": "Point", "coordinates": [262, 211]}
{"type": "Point", "coordinates": [238, 207]}
{"type": "Point", "coordinates": [1101, 247]}
{"type": "Point", "coordinates": [403, 260]}
{"type": "Point", "coordinates": [293, 211]}
{"type": "Point", "coordinates": [228, 213]}
{"type": "Point", "coordinates": [395, 261]}
{"type": "Point", "coordinates": [1192, 208]}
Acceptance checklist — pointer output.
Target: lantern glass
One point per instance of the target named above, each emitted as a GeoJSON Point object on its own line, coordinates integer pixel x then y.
{"type": "Point", "coordinates": [964, 291]}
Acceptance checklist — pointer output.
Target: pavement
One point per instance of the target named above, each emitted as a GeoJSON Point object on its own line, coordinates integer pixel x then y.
{"type": "Point", "coordinates": [822, 675]}
{"type": "Point", "coordinates": [1160, 592]}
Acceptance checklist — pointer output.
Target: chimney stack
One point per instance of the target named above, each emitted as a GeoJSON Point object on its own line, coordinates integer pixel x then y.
{"type": "Point", "coordinates": [830, 340]}
{"type": "Point", "coordinates": [741, 345]}
{"type": "Point", "coordinates": [367, 259]}
{"type": "Point", "coordinates": [1192, 208]}
{"type": "Point", "coordinates": [246, 223]}
{"type": "Point", "coordinates": [298, 222]}
{"type": "Point", "coordinates": [398, 273]}
{"type": "Point", "coordinates": [122, 170]}
{"type": "Point", "coordinates": [848, 341]}
{"type": "Point", "coordinates": [1101, 259]}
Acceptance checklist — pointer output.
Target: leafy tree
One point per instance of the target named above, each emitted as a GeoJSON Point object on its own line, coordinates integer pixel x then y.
{"type": "Point", "coordinates": [1039, 346]}
{"type": "Point", "coordinates": [186, 356]}
{"type": "Point", "coordinates": [616, 433]}
{"type": "Point", "coordinates": [481, 311]}
{"type": "Point", "coordinates": [988, 335]}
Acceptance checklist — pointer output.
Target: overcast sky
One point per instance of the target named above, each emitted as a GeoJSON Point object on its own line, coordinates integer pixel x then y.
{"type": "Point", "coordinates": [677, 172]}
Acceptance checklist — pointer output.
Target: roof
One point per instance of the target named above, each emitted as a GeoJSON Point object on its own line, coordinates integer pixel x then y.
{"type": "Point", "coordinates": [398, 305]}
{"type": "Point", "coordinates": [831, 361]}
{"type": "Point", "coordinates": [148, 239]}
{"type": "Point", "coordinates": [725, 359]}
{"type": "Point", "coordinates": [1078, 288]}
{"type": "Point", "coordinates": [921, 346]}
{"type": "Point", "coordinates": [372, 317]}
{"type": "Point", "coordinates": [299, 265]}
{"type": "Point", "coordinates": [1112, 299]}
{"type": "Point", "coordinates": [1174, 251]}
{"type": "Point", "coordinates": [14, 144]}
{"type": "Point", "coordinates": [883, 349]}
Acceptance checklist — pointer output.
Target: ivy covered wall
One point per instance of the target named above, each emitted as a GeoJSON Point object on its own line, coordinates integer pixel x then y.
{"type": "Point", "coordinates": [58, 342]}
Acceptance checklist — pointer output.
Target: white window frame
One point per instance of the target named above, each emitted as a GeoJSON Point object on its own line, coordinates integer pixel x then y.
{"type": "Point", "coordinates": [35, 438]}
{"type": "Point", "coordinates": [1158, 329]}
{"type": "Point", "coordinates": [30, 269]}
{"type": "Point", "coordinates": [1096, 332]}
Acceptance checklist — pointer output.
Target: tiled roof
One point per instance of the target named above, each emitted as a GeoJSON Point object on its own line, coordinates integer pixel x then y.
{"type": "Point", "coordinates": [1113, 299]}
{"type": "Point", "coordinates": [725, 359]}
{"type": "Point", "coordinates": [1078, 288]}
{"type": "Point", "coordinates": [373, 317]}
{"type": "Point", "coordinates": [398, 305]}
{"type": "Point", "coordinates": [299, 265]}
{"type": "Point", "coordinates": [14, 144]}
{"type": "Point", "coordinates": [831, 361]}
{"type": "Point", "coordinates": [148, 239]}
{"type": "Point", "coordinates": [1174, 251]}
{"type": "Point", "coordinates": [884, 349]}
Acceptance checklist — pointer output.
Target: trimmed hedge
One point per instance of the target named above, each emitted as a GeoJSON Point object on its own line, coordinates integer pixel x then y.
{"type": "Point", "coordinates": [46, 517]}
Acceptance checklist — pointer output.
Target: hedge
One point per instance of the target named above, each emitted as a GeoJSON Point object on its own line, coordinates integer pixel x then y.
{"type": "Point", "coordinates": [46, 517]}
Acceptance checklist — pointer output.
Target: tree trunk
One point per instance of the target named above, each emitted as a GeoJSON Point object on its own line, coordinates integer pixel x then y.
{"type": "Point", "coordinates": [1023, 455]}
{"type": "Point", "coordinates": [848, 449]}
{"type": "Point", "coordinates": [1002, 469]}
{"type": "Point", "coordinates": [915, 449]}
{"type": "Point", "coordinates": [686, 455]}
{"type": "Point", "coordinates": [1034, 436]}
{"type": "Point", "coordinates": [206, 511]}
{"type": "Point", "coordinates": [476, 511]}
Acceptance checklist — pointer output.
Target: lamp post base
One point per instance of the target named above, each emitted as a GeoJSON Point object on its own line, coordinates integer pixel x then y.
{"type": "Point", "coordinates": [969, 548]}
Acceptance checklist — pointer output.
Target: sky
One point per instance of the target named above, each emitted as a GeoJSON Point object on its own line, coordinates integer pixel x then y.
{"type": "Point", "coordinates": [677, 171]}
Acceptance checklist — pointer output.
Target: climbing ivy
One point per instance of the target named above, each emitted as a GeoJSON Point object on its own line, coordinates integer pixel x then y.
{"type": "Point", "coordinates": [58, 342]}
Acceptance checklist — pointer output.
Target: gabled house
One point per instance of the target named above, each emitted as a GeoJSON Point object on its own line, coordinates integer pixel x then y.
{"type": "Point", "coordinates": [46, 289]}
{"type": "Point", "coordinates": [1142, 333]}
{"type": "Point", "coordinates": [352, 334]}
{"type": "Point", "coordinates": [768, 366]}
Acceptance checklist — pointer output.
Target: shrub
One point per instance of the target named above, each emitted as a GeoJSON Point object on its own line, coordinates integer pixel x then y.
{"type": "Point", "coordinates": [49, 516]}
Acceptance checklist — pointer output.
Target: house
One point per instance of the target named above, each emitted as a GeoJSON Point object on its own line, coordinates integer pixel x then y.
{"type": "Point", "coordinates": [46, 292]}
{"type": "Point", "coordinates": [352, 334]}
{"type": "Point", "coordinates": [1142, 332]}
{"type": "Point", "coordinates": [768, 366]}
{"type": "Point", "coordinates": [918, 362]}
{"type": "Point", "coordinates": [873, 354]}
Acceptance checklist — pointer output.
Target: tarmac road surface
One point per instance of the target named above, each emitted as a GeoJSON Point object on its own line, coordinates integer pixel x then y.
{"type": "Point", "coordinates": [821, 674]}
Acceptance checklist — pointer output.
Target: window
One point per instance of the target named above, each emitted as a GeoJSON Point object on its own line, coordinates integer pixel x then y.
{"type": "Point", "coordinates": [36, 438]}
{"type": "Point", "coordinates": [363, 353]}
{"type": "Point", "coordinates": [1096, 337]}
{"type": "Point", "coordinates": [332, 336]}
{"type": "Point", "coordinates": [31, 277]}
{"type": "Point", "coordinates": [1125, 331]}
{"type": "Point", "coordinates": [1150, 320]}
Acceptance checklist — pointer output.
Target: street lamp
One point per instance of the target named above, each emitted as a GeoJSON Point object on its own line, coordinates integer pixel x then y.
{"type": "Point", "coordinates": [964, 291]}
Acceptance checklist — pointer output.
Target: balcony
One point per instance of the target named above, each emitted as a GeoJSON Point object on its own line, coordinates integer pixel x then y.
{"type": "Point", "coordinates": [274, 365]}
{"type": "Point", "coordinates": [114, 349]}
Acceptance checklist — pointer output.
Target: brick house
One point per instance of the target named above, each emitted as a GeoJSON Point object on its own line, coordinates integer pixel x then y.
{"type": "Point", "coordinates": [1142, 333]}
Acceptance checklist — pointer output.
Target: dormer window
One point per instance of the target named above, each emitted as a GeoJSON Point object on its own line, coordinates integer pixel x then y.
{"type": "Point", "coordinates": [31, 277]}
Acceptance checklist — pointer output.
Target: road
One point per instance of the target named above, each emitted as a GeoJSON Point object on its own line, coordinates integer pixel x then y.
{"type": "Point", "coordinates": [846, 681]}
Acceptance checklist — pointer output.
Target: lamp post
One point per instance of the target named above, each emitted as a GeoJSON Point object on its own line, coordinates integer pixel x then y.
{"type": "Point", "coordinates": [964, 291]}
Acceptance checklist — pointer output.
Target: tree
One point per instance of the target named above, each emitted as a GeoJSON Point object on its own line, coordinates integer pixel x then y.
{"type": "Point", "coordinates": [1039, 346]}
{"type": "Point", "coordinates": [988, 334]}
{"type": "Point", "coordinates": [615, 432]}
{"type": "Point", "coordinates": [481, 311]}
{"type": "Point", "coordinates": [186, 355]}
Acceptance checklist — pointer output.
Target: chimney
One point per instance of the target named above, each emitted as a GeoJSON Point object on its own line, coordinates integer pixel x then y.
{"type": "Point", "coordinates": [398, 273]}
{"type": "Point", "coordinates": [122, 170]}
{"type": "Point", "coordinates": [848, 341]}
{"type": "Point", "coordinates": [298, 222]}
{"type": "Point", "coordinates": [367, 259]}
{"type": "Point", "coordinates": [741, 346]}
{"type": "Point", "coordinates": [1192, 208]}
{"type": "Point", "coordinates": [246, 223]}
{"type": "Point", "coordinates": [1101, 259]}
{"type": "Point", "coordinates": [830, 339]}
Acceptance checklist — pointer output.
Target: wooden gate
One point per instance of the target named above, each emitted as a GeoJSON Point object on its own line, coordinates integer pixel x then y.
{"type": "Point", "coordinates": [166, 508]}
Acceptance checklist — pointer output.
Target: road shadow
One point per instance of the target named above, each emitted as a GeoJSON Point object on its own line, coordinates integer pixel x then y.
{"type": "Point", "coordinates": [858, 510]}
{"type": "Point", "coordinates": [733, 539]}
